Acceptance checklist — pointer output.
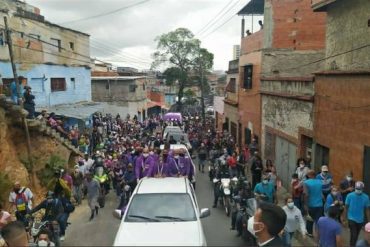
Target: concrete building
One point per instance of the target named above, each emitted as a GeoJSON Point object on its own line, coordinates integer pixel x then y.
{"type": "Point", "coordinates": [236, 52]}
{"type": "Point", "coordinates": [122, 94]}
{"type": "Point", "coordinates": [54, 60]}
{"type": "Point", "coordinates": [218, 106]}
{"type": "Point", "coordinates": [342, 90]}
{"type": "Point", "coordinates": [231, 113]}
{"type": "Point", "coordinates": [278, 100]}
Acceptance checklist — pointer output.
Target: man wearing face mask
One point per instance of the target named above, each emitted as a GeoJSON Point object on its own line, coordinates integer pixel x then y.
{"type": "Point", "coordinates": [313, 200]}
{"type": "Point", "coordinates": [144, 165]}
{"type": "Point", "coordinates": [265, 190]}
{"type": "Point", "coordinates": [294, 222]}
{"type": "Point", "coordinates": [43, 239]}
{"type": "Point", "coordinates": [182, 164]}
{"type": "Point", "coordinates": [266, 224]}
{"type": "Point", "coordinates": [326, 179]}
{"type": "Point", "coordinates": [357, 203]}
{"type": "Point", "coordinates": [347, 185]}
{"type": "Point", "coordinates": [162, 167]}
{"type": "Point", "coordinates": [302, 169]}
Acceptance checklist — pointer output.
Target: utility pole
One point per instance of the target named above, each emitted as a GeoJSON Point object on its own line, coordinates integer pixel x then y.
{"type": "Point", "coordinates": [10, 48]}
{"type": "Point", "coordinates": [202, 92]}
{"type": "Point", "coordinates": [20, 102]}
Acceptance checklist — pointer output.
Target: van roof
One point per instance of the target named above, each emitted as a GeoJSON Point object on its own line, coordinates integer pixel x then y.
{"type": "Point", "coordinates": [162, 185]}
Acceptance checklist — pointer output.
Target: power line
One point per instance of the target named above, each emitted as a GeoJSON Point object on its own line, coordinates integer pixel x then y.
{"type": "Point", "coordinates": [223, 8]}
{"type": "Point", "coordinates": [219, 26]}
{"type": "Point", "coordinates": [92, 39]}
{"type": "Point", "coordinates": [107, 13]}
{"type": "Point", "coordinates": [51, 53]}
{"type": "Point", "coordinates": [117, 49]}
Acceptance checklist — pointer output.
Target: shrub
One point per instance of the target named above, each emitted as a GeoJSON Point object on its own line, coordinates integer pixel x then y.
{"type": "Point", "coordinates": [5, 187]}
{"type": "Point", "coordinates": [46, 174]}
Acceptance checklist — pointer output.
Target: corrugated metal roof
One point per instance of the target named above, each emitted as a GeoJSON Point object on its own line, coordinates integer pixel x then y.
{"type": "Point", "coordinates": [79, 110]}
{"type": "Point", "coordinates": [122, 78]}
{"type": "Point", "coordinates": [254, 7]}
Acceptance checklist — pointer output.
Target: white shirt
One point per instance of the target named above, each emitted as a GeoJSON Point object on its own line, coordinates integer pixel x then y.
{"type": "Point", "coordinates": [27, 193]}
{"type": "Point", "coordinates": [294, 220]}
{"type": "Point", "coordinates": [266, 242]}
{"type": "Point", "coordinates": [87, 165]}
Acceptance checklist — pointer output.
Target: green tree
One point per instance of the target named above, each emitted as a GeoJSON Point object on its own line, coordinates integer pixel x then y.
{"type": "Point", "coordinates": [180, 49]}
{"type": "Point", "coordinates": [173, 75]}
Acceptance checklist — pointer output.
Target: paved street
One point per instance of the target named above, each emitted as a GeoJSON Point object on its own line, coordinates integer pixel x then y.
{"type": "Point", "coordinates": [102, 230]}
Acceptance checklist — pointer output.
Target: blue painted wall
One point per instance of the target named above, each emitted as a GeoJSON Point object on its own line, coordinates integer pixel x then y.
{"type": "Point", "coordinates": [170, 99]}
{"type": "Point", "coordinates": [77, 91]}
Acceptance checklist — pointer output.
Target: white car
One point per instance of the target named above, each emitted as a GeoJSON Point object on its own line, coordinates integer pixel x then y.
{"type": "Point", "coordinates": [162, 212]}
{"type": "Point", "coordinates": [171, 129]}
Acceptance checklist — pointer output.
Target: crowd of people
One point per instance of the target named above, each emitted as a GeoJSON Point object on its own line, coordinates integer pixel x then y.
{"type": "Point", "coordinates": [119, 152]}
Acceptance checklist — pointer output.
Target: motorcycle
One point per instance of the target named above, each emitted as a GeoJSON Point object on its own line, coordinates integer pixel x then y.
{"type": "Point", "coordinates": [36, 226]}
{"type": "Point", "coordinates": [103, 179]}
{"type": "Point", "coordinates": [226, 194]}
{"type": "Point", "coordinates": [248, 210]}
{"type": "Point", "coordinates": [212, 170]}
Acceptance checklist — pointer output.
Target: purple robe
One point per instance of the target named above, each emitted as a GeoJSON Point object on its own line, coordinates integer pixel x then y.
{"type": "Point", "coordinates": [183, 166]}
{"type": "Point", "coordinates": [144, 166]}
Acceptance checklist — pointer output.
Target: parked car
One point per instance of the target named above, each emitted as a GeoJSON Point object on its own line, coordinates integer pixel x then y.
{"type": "Point", "coordinates": [162, 212]}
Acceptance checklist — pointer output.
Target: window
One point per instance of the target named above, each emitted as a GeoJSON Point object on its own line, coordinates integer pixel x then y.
{"type": "Point", "coordinates": [73, 83]}
{"type": "Point", "coordinates": [248, 136]}
{"type": "Point", "coordinates": [132, 88]}
{"type": "Point", "coordinates": [161, 207]}
{"type": "Point", "coordinates": [58, 84]}
{"type": "Point", "coordinates": [57, 43]}
{"type": "Point", "coordinates": [72, 46]}
{"type": "Point", "coordinates": [143, 87]}
{"type": "Point", "coordinates": [35, 36]}
{"type": "Point", "coordinates": [248, 73]}
{"type": "Point", "coordinates": [2, 38]}
{"type": "Point", "coordinates": [107, 85]}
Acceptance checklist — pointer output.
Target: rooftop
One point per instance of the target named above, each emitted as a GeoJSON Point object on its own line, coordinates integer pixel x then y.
{"type": "Point", "coordinates": [254, 7]}
{"type": "Point", "coordinates": [120, 78]}
{"type": "Point", "coordinates": [79, 110]}
{"type": "Point", "coordinates": [162, 185]}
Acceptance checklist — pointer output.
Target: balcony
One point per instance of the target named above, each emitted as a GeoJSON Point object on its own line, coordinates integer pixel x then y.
{"type": "Point", "coordinates": [253, 42]}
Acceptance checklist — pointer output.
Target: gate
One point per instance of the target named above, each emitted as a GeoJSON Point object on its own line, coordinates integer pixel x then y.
{"type": "Point", "coordinates": [366, 169]}
{"type": "Point", "coordinates": [286, 155]}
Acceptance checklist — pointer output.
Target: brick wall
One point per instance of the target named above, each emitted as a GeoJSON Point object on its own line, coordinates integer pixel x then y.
{"type": "Point", "coordinates": [252, 43]}
{"type": "Point", "coordinates": [342, 120]}
{"type": "Point", "coordinates": [293, 24]}
{"type": "Point", "coordinates": [250, 99]}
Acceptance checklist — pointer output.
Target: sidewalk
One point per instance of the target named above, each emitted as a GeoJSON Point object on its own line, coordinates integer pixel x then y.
{"type": "Point", "coordinates": [282, 193]}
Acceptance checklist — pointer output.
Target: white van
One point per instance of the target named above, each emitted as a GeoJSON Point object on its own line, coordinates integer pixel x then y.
{"type": "Point", "coordinates": [162, 212]}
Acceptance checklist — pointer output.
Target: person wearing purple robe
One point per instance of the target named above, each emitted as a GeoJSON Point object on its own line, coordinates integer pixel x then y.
{"type": "Point", "coordinates": [182, 163]}
{"type": "Point", "coordinates": [144, 165]}
{"type": "Point", "coordinates": [162, 166]}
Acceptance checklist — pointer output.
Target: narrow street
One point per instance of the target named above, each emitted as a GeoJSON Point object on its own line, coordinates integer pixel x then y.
{"type": "Point", "coordinates": [102, 230]}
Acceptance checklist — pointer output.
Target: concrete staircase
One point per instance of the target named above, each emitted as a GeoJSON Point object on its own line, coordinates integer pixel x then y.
{"type": "Point", "coordinates": [35, 125]}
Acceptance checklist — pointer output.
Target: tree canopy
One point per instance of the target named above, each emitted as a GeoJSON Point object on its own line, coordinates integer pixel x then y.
{"type": "Point", "coordinates": [181, 51]}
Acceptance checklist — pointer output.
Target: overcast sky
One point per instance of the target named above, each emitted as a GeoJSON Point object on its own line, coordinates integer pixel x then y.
{"type": "Point", "coordinates": [126, 37]}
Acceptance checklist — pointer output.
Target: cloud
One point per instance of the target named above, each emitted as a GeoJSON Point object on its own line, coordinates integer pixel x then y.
{"type": "Point", "coordinates": [128, 35]}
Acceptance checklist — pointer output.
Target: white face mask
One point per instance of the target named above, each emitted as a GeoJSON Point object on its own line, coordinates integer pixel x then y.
{"type": "Point", "coordinates": [290, 205]}
{"type": "Point", "coordinates": [176, 156]}
{"type": "Point", "coordinates": [349, 178]}
{"type": "Point", "coordinates": [42, 243]}
{"type": "Point", "coordinates": [265, 181]}
{"type": "Point", "coordinates": [151, 152]}
{"type": "Point", "coordinates": [145, 155]}
{"type": "Point", "coordinates": [301, 165]}
{"type": "Point", "coordinates": [251, 226]}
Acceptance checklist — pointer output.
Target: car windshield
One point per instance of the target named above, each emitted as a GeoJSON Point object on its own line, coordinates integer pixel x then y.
{"type": "Point", "coordinates": [177, 136]}
{"type": "Point", "coordinates": [161, 208]}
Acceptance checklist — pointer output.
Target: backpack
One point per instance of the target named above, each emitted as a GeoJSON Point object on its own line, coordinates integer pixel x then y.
{"type": "Point", "coordinates": [21, 201]}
